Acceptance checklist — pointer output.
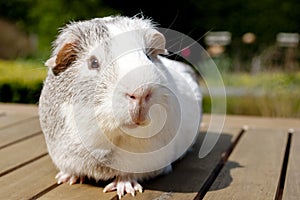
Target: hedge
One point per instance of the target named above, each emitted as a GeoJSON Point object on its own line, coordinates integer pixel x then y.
{"type": "Point", "coordinates": [21, 81]}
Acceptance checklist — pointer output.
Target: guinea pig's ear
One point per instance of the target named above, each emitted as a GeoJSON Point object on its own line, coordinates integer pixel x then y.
{"type": "Point", "coordinates": [64, 58]}
{"type": "Point", "coordinates": [51, 62]}
{"type": "Point", "coordinates": [155, 42]}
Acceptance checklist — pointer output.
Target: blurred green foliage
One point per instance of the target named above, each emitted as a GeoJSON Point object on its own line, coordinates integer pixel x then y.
{"type": "Point", "coordinates": [266, 94]}
{"type": "Point", "coordinates": [21, 81]}
{"type": "Point", "coordinates": [44, 18]}
{"type": "Point", "coordinates": [50, 15]}
{"type": "Point", "coordinates": [264, 80]}
{"type": "Point", "coordinates": [265, 18]}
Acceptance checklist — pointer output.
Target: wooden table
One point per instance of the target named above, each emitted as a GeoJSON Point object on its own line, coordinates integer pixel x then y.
{"type": "Point", "coordinates": [262, 162]}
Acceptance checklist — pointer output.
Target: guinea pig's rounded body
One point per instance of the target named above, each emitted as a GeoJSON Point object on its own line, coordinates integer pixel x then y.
{"type": "Point", "coordinates": [112, 108]}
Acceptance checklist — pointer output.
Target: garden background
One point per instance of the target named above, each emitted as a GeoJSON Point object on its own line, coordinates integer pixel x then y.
{"type": "Point", "coordinates": [259, 62]}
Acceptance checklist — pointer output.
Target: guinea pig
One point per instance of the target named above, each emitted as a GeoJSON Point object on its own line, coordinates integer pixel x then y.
{"type": "Point", "coordinates": [113, 107]}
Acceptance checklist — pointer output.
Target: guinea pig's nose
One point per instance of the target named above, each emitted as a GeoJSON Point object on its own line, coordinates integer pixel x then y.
{"type": "Point", "coordinates": [139, 104]}
{"type": "Point", "coordinates": [140, 96]}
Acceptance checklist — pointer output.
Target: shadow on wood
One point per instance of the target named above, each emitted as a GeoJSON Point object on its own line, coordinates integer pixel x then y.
{"type": "Point", "coordinates": [191, 173]}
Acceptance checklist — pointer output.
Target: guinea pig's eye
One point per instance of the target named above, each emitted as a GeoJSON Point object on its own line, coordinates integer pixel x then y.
{"type": "Point", "coordinates": [148, 56]}
{"type": "Point", "coordinates": [149, 53]}
{"type": "Point", "coordinates": [93, 63]}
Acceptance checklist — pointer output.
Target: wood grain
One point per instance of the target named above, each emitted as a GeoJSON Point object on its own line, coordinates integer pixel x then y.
{"type": "Point", "coordinates": [28, 109]}
{"type": "Point", "coordinates": [77, 191]}
{"type": "Point", "coordinates": [19, 131]}
{"type": "Point", "coordinates": [292, 184]}
{"type": "Point", "coordinates": [253, 170]}
{"type": "Point", "coordinates": [262, 123]}
{"type": "Point", "coordinates": [28, 181]}
{"type": "Point", "coordinates": [190, 173]}
{"type": "Point", "coordinates": [14, 113]}
{"type": "Point", "coordinates": [22, 152]}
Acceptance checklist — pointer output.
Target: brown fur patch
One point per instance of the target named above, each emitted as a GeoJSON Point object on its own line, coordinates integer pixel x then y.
{"type": "Point", "coordinates": [65, 57]}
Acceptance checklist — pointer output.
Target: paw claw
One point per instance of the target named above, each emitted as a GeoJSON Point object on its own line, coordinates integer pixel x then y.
{"type": "Point", "coordinates": [137, 187]}
{"type": "Point", "coordinates": [73, 180]}
{"type": "Point", "coordinates": [58, 175]}
{"type": "Point", "coordinates": [81, 180]}
{"type": "Point", "coordinates": [110, 187]}
{"type": "Point", "coordinates": [124, 186]}
{"type": "Point", "coordinates": [67, 178]}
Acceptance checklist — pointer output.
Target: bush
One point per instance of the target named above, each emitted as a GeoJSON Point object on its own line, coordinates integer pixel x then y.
{"type": "Point", "coordinates": [21, 81]}
{"type": "Point", "coordinates": [266, 94]}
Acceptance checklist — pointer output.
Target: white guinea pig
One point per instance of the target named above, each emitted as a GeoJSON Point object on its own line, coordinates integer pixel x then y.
{"type": "Point", "coordinates": [112, 107]}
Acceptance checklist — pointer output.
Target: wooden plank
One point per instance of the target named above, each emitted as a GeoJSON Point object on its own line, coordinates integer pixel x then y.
{"type": "Point", "coordinates": [190, 173]}
{"type": "Point", "coordinates": [14, 113]}
{"type": "Point", "coordinates": [28, 180]}
{"type": "Point", "coordinates": [18, 131]}
{"type": "Point", "coordinates": [16, 155]}
{"type": "Point", "coordinates": [77, 191]}
{"type": "Point", "coordinates": [253, 169]}
{"type": "Point", "coordinates": [184, 171]}
{"type": "Point", "coordinates": [262, 123]}
{"type": "Point", "coordinates": [292, 184]}
{"type": "Point", "coordinates": [28, 109]}
{"type": "Point", "coordinates": [228, 123]}
{"type": "Point", "coordinates": [12, 119]}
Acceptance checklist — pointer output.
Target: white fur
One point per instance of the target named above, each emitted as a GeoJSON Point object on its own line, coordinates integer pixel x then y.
{"type": "Point", "coordinates": [84, 113]}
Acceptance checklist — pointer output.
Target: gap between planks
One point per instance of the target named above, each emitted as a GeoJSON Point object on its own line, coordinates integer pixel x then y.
{"type": "Point", "coordinates": [170, 189]}
{"type": "Point", "coordinates": [23, 119]}
{"type": "Point", "coordinates": [157, 186]}
{"type": "Point", "coordinates": [21, 139]}
{"type": "Point", "coordinates": [38, 195]}
{"type": "Point", "coordinates": [22, 153]}
{"type": "Point", "coordinates": [23, 164]}
{"type": "Point", "coordinates": [219, 167]}
{"type": "Point", "coordinates": [292, 181]}
{"type": "Point", "coordinates": [19, 132]}
{"type": "Point", "coordinates": [28, 180]}
{"type": "Point", "coordinates": [260, 170]}
{"type": "Point", "coordinates": [282, 178]}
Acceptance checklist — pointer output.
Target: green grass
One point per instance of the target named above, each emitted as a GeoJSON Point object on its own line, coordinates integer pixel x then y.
{"type": "Point", "coordinates": [269, 94]}
{"type": "Point", "coordinates": [265, 80]}
{"type": "Point", "coordinates": [21, 81]}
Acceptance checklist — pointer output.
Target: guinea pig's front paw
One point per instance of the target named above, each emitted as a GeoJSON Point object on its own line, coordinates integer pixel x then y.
{"type": "Point", "coordinates": [123, 185]}
{"type": "Point", "coordinates": [63, 177]}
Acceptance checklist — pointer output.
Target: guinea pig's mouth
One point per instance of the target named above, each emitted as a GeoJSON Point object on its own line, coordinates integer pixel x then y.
{"type": "Point", "coordinates": [131, 126]}
{"type": "Point", "coordinates": [142, 129]}
{"type": "Point", "coordinates": [136, 124]}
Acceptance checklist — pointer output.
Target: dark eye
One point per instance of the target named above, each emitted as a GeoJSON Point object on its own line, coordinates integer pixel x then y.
{"type": "Point", "coordinates": [149, 56]}
{"type": "Point", "coordinates": [94, 63]}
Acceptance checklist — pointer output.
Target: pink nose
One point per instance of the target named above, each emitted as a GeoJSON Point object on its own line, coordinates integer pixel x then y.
{"type": "Point", "coordinates": [140, 95]}
{"type": "Point", "coordinates": [138, 104]}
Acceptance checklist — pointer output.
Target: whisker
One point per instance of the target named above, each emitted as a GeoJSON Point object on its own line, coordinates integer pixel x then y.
{"type": "Point", "coordinates": [176, 39]}
{"type": "Point", "coordinates": [181, 41]}
{"type": "Point", "coordinates": [198, 39]}
{"type": "Point", "coordinates": [172, 23]}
